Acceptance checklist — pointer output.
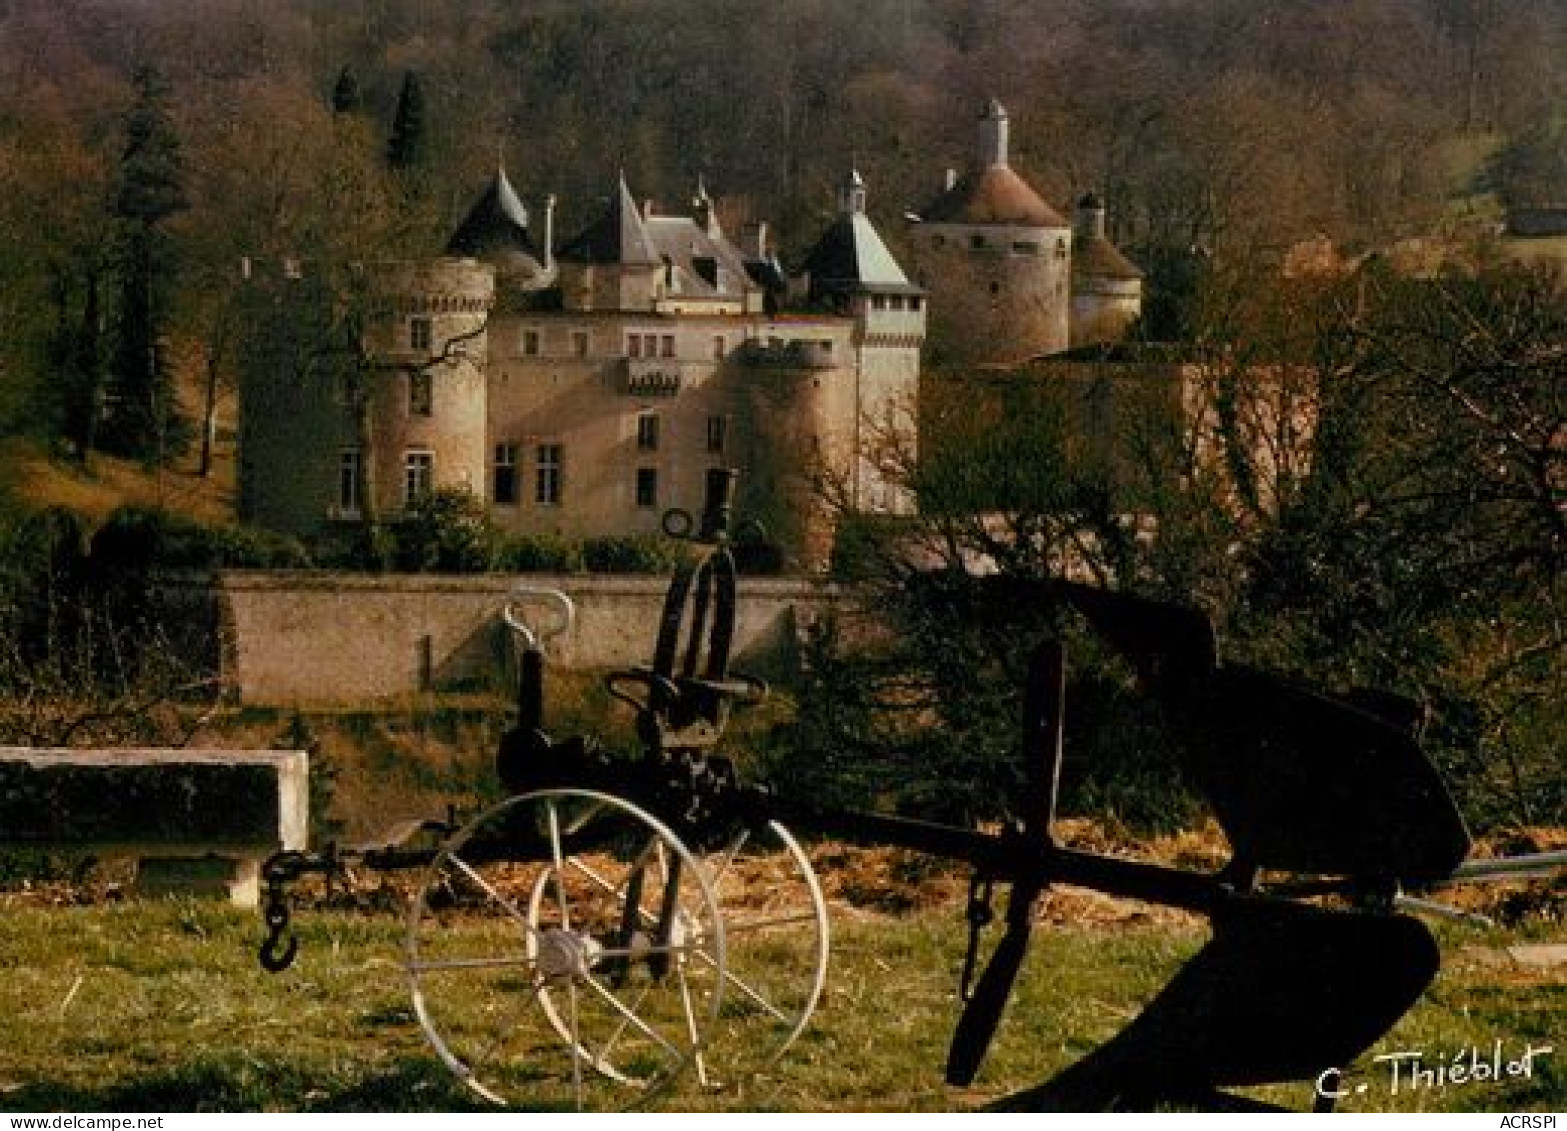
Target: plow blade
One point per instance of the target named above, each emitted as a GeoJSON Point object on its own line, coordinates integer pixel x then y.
{"type": "Point", "coordinates": [1282, 992]}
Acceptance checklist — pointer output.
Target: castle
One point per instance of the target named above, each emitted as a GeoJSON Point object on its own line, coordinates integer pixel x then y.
{"type": "Point", "coordinates": [584, 390]}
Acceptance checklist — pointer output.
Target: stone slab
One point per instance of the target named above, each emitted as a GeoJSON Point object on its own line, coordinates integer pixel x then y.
{"type": "Point", "coordinates": [198, 822]}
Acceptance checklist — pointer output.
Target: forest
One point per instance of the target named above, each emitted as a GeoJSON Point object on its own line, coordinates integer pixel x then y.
{"type": "Point", "coordinates": [148, 148]}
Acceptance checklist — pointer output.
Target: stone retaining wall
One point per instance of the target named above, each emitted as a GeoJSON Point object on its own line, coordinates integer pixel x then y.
{"type": "Point", "coordinates": [300, 638]}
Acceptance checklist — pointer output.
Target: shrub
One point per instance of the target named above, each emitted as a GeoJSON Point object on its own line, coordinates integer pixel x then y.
{"type": "Point", "coordinates": [447, 531]}
{"type": "Point", "coordinates": [540, 553]}
{"type": "Point", "coordinates": [633, 553]}
{"type": "Point", "coordinates": [137, 539]}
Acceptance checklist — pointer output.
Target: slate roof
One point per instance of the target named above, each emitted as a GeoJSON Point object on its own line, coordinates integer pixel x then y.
{"type": "Point", "coordinates": [496, 227]}
{"type": "Point", "coordinates": [702, 259]}
{"type": "Point", "coordinates": [851, 257]}
{"type": "Point", "coordinates": [619, 236]}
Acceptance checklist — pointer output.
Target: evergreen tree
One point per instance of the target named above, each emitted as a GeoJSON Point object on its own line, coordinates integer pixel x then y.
{"type": "Point", "coordinates": [346, 95]}
{"type": "Point", "coordinates": [406, 151]}
{"type": "Point", "coordinates": [142, 418]}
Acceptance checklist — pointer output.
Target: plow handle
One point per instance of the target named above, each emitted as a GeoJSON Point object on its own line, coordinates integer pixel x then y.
{"type": "Point", "coordinates": [1044, 699]}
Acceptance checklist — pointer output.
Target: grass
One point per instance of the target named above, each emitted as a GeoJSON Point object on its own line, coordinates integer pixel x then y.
{"type": "Point", "coordinates": [159, 1005]}
{"type": "Point", "coordinates": [33, 477]}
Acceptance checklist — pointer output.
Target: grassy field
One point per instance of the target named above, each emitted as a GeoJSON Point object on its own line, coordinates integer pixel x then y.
{"type": "Point", "coordinates": [159, 1005]}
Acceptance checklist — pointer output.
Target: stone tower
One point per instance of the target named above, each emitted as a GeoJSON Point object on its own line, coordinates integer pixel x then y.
{"type": "Point", "coordinates": [852, 272]}
{"type": "Point", "coordinates": [1107, 287]}
{"type": "Point", "coordinates": [996, 259]}
{"type": "Point", "coordinates": [327, 428]}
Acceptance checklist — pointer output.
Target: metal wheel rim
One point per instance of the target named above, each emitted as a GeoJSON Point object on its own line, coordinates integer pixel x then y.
{"type": "Point", "coordinates": [417, 968]}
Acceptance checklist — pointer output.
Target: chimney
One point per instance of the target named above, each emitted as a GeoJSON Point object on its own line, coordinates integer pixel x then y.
{"type": "Point", "coordinates": [993, 135]}
{"type": "Point", "coordinates": [754, 240]}
{"type": "Point", "coordinates": [549, 231]}
{"type": "Point", "coordinates": [1090, 218]}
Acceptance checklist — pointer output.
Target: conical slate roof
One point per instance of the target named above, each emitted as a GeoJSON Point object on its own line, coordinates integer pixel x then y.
{"type": "Point", "coordinates": [850, 257]}
{"type": "Point", "coordinates": [617, 237]}
{"type": "Point", "coordinates": [496, 227]}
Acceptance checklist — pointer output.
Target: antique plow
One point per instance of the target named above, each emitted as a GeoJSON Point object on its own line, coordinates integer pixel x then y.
{"type": "Point", "coordinates": [618, 921]}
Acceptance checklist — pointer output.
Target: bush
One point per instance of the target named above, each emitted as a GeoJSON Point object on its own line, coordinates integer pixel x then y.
{"type": "Point", "coordinates": [540, 553]}
{"type": "Point", "coordinates": [633, 553]}
{"type": "Point", "coordinates": [136, 539]}
{"type": "Point", "coordinates": [447, 531]}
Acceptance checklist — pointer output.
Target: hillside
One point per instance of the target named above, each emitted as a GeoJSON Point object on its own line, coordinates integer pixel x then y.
{"type": "Point", "coordinates": [32, 479]}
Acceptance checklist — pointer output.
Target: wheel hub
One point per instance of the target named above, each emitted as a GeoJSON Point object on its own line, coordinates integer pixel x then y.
{"type": "Point", "coordinates": [565, 955]}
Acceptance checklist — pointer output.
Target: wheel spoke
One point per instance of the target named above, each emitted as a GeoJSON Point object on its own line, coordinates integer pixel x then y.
{"type": "Point", "coordinates": [634, 952]}
{"type": "Point", "coordinates": [489, 889]}
{"type": "Point", "coordinates": [575, 1042]}
{"type": "Point", "coordinates": [691, 1030]}
{"type": "Point", "coordinates": [560, 867]}
{"type": "Point", "coordinates": [716, 876]}
{"type": "Point", "coordinates": [749, 991]}
{"type": "Point", "coordinates": [636, 1022]}
{"type": "Point", "coordinates": [804, 915]}
{"type": "Point", "coordinates": [424, 966]}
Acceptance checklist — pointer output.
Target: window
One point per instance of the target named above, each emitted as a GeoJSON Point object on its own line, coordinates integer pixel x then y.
{"type": "Point", "coordinates": [504, 480]}
{"type": "Point", "coordinates": [1060, 249]}
{"type": "Point", "coordinates": [633, 345]}
{"type": "Point", "coordinates": [647, 487]}
{"type": "Point", "coordinates": [720, 347]}
{"type": "Point", "coordinates": [915, 302]}
{"type": "Point", "coordinates": [421, 393]}
{"type": "Point", "coordinates": [530, 343]}
{"type": "Point", "coordinates": [647, 432]}
{"type": "Point", "coordinates": [350, 481]}
{"type": "Point", "coordinates": [546, 480]}
{"type": "Point", "coordinates": [976, 241]}
{"type": "Point", "coordinates": [579, 343]}
{"type": "Point", "coordinates": [717, 429]}
{"type": "Point", "coordinates": [418, 476]}
{"type": "Point", "coordinates": [420, 335]}
{"type": "Point", "coordinates": [668, 346]}
{"type": "Point", "coordinates": [649, 345]}
{"type": "Point", "coordinates": [897, 302]}
{"type": "Point", "coordinates": [878, 302]}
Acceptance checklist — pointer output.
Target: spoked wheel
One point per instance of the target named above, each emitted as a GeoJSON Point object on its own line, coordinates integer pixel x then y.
{"type": "Point", "coordinates": [566, 951]}
{"type": "Point", "coordinates": [775, 952]}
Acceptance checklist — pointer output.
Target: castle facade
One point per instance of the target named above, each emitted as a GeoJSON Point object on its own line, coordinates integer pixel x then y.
{"type": "Point", "coordinates": [587, 389]}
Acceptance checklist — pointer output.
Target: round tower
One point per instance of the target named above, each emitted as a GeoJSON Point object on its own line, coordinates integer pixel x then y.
{"type": "Point", "coordinates": [423, 417]}
{"type": "Point", "coordinates": [327, 432]}
{"type": "Point", "coordinates": [995, 258]}
{"type": "Point", "coordinates": [1107, 287]}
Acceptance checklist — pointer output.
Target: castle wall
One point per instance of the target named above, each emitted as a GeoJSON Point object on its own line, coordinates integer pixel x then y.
{"type": "Point", "coordinates": [998, 293]}
{"type": "Point", "coordinates": [574, 383]}
{"type": "Point", "coordinates": [324, 638]}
